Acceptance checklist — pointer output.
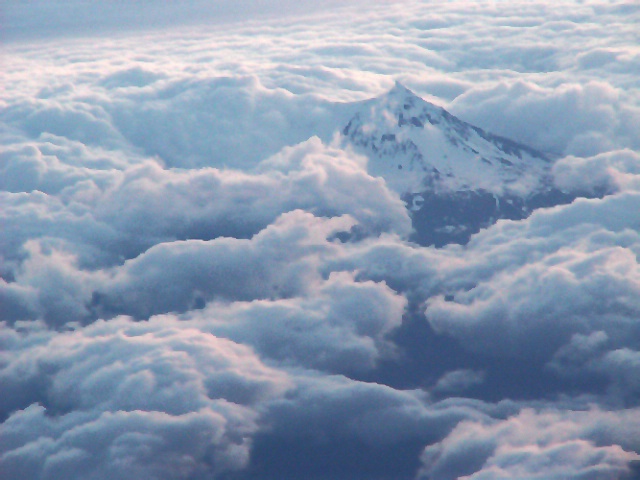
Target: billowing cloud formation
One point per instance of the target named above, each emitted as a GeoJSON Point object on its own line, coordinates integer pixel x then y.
{"type": "Point", "coordinates": [341, 327]}
{"type": "Point", "coordinates": [163, 399]}
{"type": "Point", "coordinates": [123, 399]}
{"type": "Point", "coordinates": [588, 119]}
{"type": "Point", "coordinates": [199, 281]}
{"type": "Point", "coordinates": [606, 172]}
{"type": "Point", "coordinates": [537, 445]}
{"type": "Point", "coordinates": [567, 272]}
{"type": "Point", "coordinates": [124, 210]}
{"type": "Point", "coordinates": [280, 261]}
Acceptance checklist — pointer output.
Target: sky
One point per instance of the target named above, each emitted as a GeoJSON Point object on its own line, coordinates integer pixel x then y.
{"type": "Point", "coordinates": [177, 297]}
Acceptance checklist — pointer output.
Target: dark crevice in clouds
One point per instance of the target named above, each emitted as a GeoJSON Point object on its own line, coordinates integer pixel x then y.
{"type": "Point", "coordinates": [440, 364]}
{"type": "Point", "coordinates": [301, 457]}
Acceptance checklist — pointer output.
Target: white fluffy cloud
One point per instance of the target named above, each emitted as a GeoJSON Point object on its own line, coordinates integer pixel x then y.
{"type": "Point", "coordinates": [340, 328]}
{"type": "Point", "coordinates": [606, 172]}
{"type": "Point", "coordinates": [566, 270]}
{"type": "Point", "coordinates": [567, 119]}
{"type": "Point", "coordinates": [107, 216]}
{"type": "Point", "coordinates": [283, 305]}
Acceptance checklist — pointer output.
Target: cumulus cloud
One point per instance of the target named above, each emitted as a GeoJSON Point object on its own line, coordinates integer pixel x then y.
{"type": "Point", "coordinates": [552, 444]}
{"type": "Point", "coordinates": [210, 202]}
{"type": "Point", "coordinates": [107, 216]}
{"type": "Point", "coordinates": [573, 269]}
{"type": "Point", "coordinates": [596, 356]}
{"type": "Point", "coordinates": [164, 398]}
{"type": "Point", "coordinates": [169, 276]}
{"type": "Point", "coordinates": [566, 274]}
{"type": "Point", "coordinates": [569, 119]}
{"type": "Point", "coordinates": [125, 399]}
{"type": "Point", "coordinates": [340, 328]}
{"type": "Point", "coordinates": [604, 173]}
{"type": "Point", "coordinates": [525, 290]}
{"type": "Point", "coordinates": [226, 121]}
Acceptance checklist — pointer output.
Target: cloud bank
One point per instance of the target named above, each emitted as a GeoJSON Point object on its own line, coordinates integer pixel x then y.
{"type": "Point", "coordinates": [198, 280]}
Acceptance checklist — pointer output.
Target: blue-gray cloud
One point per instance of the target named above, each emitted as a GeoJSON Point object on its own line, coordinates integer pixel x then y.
{"type": "Point", "coordinates": [548, 444]}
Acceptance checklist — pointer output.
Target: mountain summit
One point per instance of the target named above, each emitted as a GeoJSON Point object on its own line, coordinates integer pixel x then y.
{"type": "Point", "coordinates": [415, 144]}
{"type": "Point", "coordinates": [455, 177]}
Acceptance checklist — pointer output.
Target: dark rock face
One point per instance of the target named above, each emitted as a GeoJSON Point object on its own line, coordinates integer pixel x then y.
{"type": "Point", "coordinates": [440, 219]}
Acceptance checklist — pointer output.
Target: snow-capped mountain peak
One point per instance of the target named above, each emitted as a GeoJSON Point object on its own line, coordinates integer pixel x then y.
{"type": "Point", "coordinates": [454, 177]}
{"type": "Point", "coordinates": [416, 145]}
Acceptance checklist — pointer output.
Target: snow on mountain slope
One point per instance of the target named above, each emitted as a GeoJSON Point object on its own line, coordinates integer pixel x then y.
{"type": "Point", "coordinates": [416, 145]}
{"type": "Point", "coordinates": [455, 177]}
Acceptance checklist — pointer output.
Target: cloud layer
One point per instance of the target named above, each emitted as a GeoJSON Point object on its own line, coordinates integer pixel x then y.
{"type": "Point", "coordinates": [199, 281]}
